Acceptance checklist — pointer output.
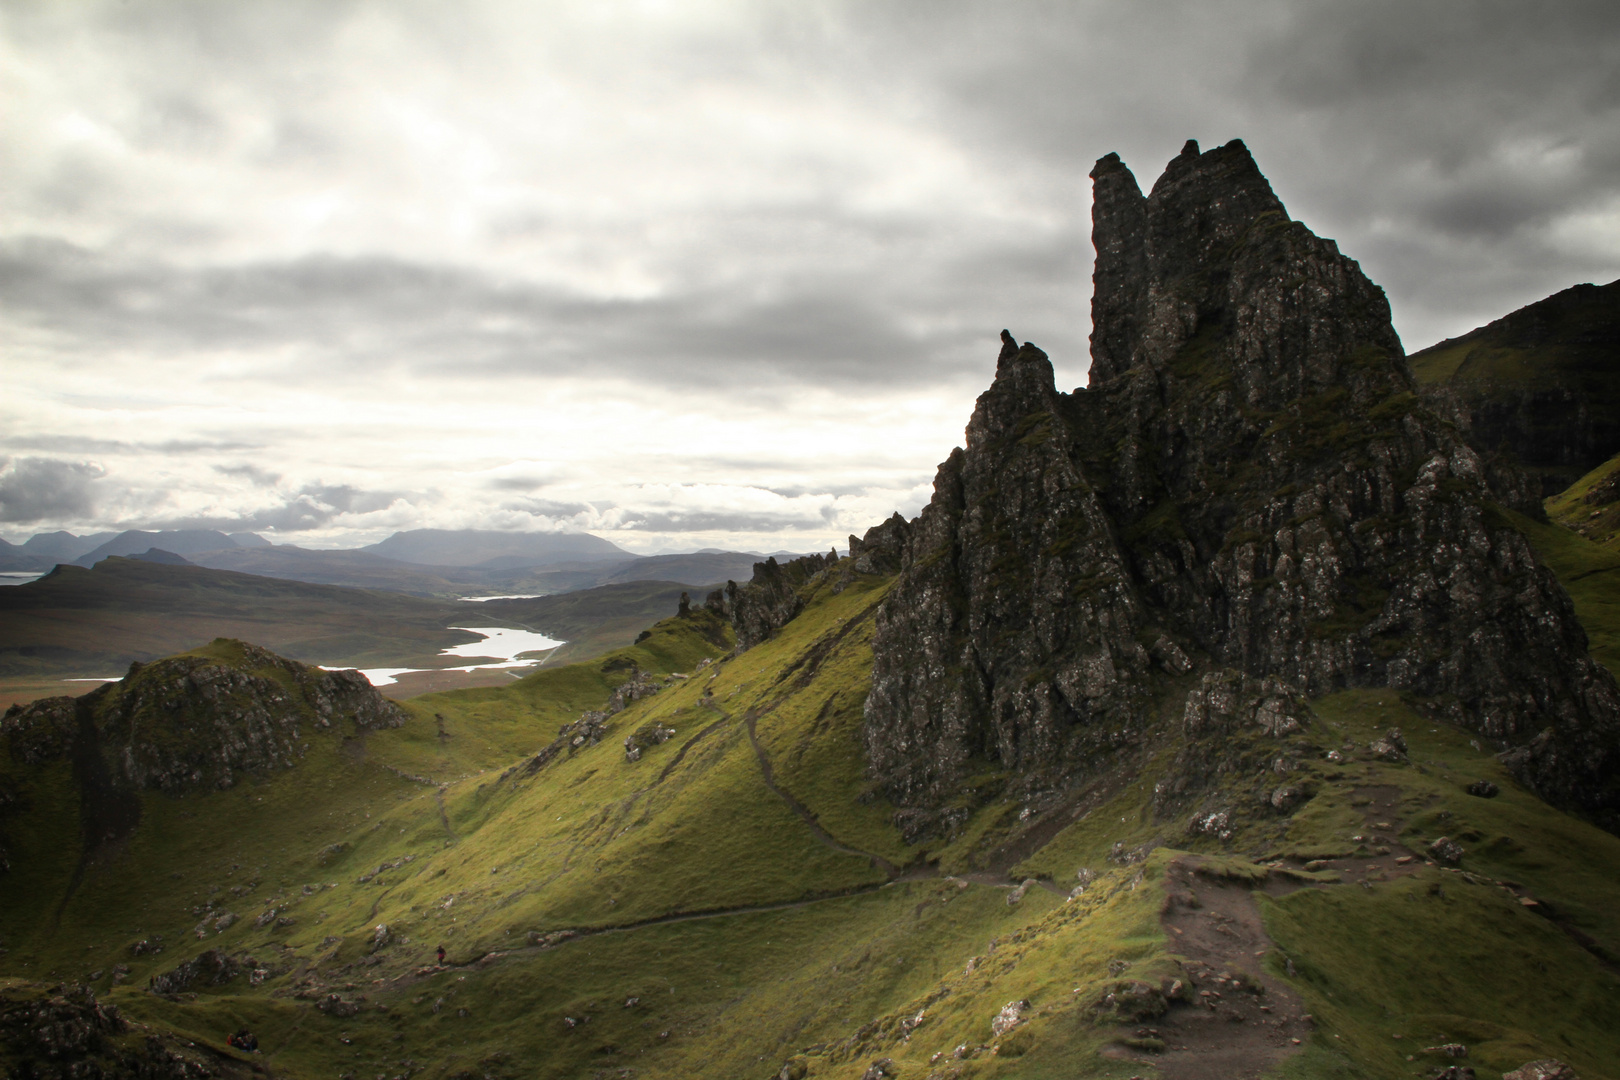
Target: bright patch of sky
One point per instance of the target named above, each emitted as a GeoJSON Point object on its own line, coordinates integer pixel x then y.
{"type": "Point", "coordinates": [685, 275]}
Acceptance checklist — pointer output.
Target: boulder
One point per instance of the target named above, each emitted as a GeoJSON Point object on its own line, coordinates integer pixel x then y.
{"type": "Point", "coordinates": [1446, 850]}
{"type": "Point", "coordinates": [1009, 1017]}
{"type": "Point", "coordinates": [1544, 1069]}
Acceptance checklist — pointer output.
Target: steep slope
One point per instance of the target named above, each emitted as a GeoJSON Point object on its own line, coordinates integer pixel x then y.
{"type": "Point", "coordinates": [1591, 505]}
{"type": "Point", "coordinates": [734, 901]}
{"type": "Point", "coordinates": [1540, 386]}
{"type": "Point", "coordinates": [1250, 482]}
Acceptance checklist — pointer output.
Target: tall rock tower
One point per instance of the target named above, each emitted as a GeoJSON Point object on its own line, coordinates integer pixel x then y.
{"type": "Point", "coordinates": [1249, 482]}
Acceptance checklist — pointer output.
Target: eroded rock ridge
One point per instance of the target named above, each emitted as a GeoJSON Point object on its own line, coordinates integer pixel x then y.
{"type": "Point", "coordinates": [1250, 482]}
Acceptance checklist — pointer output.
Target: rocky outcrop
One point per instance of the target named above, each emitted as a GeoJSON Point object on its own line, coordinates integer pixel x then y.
{"type": "Point", "coordinates": [1250, 481]}
{"type": "Point", "coordinates": [1539, 387]}
{"type": "Point", "coordinates": [770, 599]}
{"type": "Point", "coordinates": [63, 1033]}
{"type": "Point", "coordinates": [883, 547]}
{"type": "Point", "coordinates": [209, 968]}
{"type": "Point", "coordinates": [192, 721]}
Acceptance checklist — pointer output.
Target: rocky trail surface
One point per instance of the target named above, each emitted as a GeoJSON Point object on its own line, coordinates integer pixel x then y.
{"type": "Point", "coordinates": [1231, 1020]}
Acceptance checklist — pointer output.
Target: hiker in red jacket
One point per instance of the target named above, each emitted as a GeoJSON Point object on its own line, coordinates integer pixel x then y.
{"type": "Point", "coordinates": [441, 955]}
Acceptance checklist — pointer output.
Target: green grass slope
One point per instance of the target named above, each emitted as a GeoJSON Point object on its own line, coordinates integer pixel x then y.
{"type": "Point", "coordinates": [1591, 505]}
{"type": "Point", "coordinates": [94, 622]}
{"type": "Point", "coordinates": [735, 902]}
{"type": "Point", "coordinates": [1542, 383]}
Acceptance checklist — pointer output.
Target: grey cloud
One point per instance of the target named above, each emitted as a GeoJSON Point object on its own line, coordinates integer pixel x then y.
{"type": "Point", "coordinates": [311, 507]}
{"type": "Point", "coordinates": [518, 483]}
{"type": "Point", "coordinates": [81, 444]}
{"type": "Point", "coordinates": [43, 489]}
{"type": "Point", "coordinates": [455, 323]}
{"type": "Point", "coordinates": [1372, 119]}
{"type": "Point", "coordinates": [704, 521]}
{"type": "Point", "coordinates": [252, 473]}
{"type": "Point", "coordinates": [548, 508]}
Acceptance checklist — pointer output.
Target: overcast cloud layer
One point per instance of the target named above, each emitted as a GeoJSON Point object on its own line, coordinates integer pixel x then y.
{"type": "Point", "coordinates": [686, 274]}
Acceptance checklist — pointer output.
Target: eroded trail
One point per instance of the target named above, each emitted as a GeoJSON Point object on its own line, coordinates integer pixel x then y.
{"type": "Point", "coordinates": [1235, 1021]}
{"type": "Point", "coordinates": [804, 812]}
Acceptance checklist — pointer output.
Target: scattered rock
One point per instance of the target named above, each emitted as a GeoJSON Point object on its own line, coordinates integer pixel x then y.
{"type": "Point", "coordinates": [1484, 789]}
{"type": "Point", "coordinates": [1392, 747]}
{"type": "Point", "coordinates": [1455, 1050]}
{"type": "Point", "coordinates": [336, 1006]}
{"type": "Point", "coordinates": [881, 1069]}
{"type": "Point", "coordinates": [1016, 894]}
{"type": "Point", "coordinates": [1446, 850]}
{"type": "Point", "coordinates": [1010, 1016]}
{"type": "Point", "coordinates": [331, 853]}
{"type": "Point", "coordinates": [1134, 1000]}
{"type": "Point", "coordinates": [1211, 824]}
{"type": "Point", "coordinates": [211, 968]}
{"type": "Point", "coordinates": [1288, 796]}
{"type": "Point", "coordinates": [1545, 1069]}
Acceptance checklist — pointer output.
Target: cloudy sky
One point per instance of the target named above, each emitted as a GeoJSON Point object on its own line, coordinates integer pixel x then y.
{"type": "Point", "coordinates": [686, 274]}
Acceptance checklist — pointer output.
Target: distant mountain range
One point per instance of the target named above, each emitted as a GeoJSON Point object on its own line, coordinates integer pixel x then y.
{"type": "Point", "coordinates": [421, 562]}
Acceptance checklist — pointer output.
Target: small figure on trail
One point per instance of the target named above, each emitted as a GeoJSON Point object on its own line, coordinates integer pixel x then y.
{"type": "Point", "coordinates": [441, 954]}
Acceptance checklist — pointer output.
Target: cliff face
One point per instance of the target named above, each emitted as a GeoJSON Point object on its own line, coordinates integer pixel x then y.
{"type": "Point", "coordinates": [1249, 482]}
{"type": "Point", "coordinates": [1539, 387]}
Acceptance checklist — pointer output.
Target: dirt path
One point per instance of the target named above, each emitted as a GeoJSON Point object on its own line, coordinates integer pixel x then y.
{"type": "Point", "coordinates": [804, 812]}
{"type": "Point", "coordinates": [1236, 1022]}
{"type": "Point", "coordinates": [444, 817]}
{"type": "Point", "coordinates": [570, 934]}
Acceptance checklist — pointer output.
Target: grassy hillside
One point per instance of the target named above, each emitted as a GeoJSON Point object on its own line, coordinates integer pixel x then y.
{"type": "Point", "coordinates": [734, 902]}
{"type": "Point", "coordinates": [94, 622]}
{"type": "Point", "coordinates": [1591, 506]}
{"type": "Point", "coordinates": [594, 620]}
{"type": "Point", "coordinates": [367, 570]}
{"type": "Point", "coordinates": [87, 623]}
{"type": "Point", "coordinates": [1542, 384]}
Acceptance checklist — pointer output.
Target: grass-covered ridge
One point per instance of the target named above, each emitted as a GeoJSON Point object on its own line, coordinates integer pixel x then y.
{"type": "Point", "coordinates": [736, 900]}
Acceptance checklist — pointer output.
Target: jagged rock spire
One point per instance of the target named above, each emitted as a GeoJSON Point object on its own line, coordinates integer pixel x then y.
{"type": "Point", "coordinates": [1250, 482]}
